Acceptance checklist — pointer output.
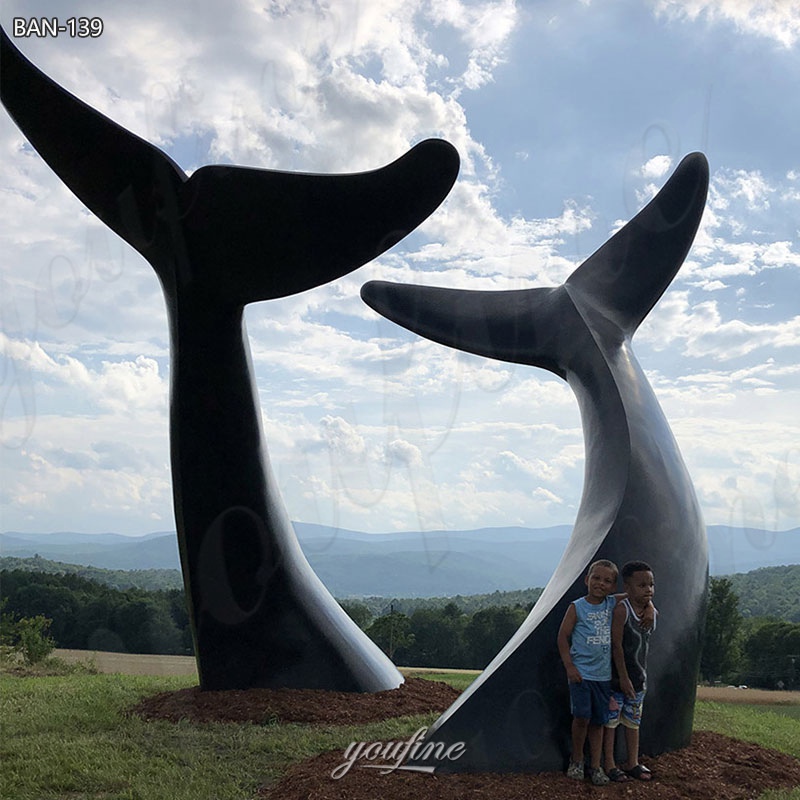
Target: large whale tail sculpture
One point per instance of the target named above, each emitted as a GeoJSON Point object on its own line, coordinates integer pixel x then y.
{"type": "Point", "coordinates": [224, 237]}
{"type": "Point", "coordinates": [637, 503]}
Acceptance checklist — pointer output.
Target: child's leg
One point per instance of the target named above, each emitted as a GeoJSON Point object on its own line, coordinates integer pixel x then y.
{"type": "Point", "coordinates": [632, 718]}
{"type": "Point", "coordinates": [609, 740]}
{"type": "Point", "coordinates": [580, 727]}
{"type": "Point", "coordinates": [595, 737]}
{"type": "Point", "coordinates": [632, 743]}
{"type": "Point", "coordinates": [581, 708]}
{"type": "Point", "coordinates": [610, 730]}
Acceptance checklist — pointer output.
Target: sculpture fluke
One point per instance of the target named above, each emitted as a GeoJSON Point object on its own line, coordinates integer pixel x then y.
{"type": "Point", "coordinates": [622, 281]}
{"type": "Point", "coordinates": [637, 502]}
{"type": "Point", "coordinates": [235, 218]}
{"type": "Point", "coordinates": [222, 238]}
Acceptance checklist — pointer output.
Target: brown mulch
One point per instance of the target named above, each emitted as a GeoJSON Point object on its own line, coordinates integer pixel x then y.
{"type": "Point", "coordinates": [415, 696]}
{"type": "Point", "coordinates": [713, 767]}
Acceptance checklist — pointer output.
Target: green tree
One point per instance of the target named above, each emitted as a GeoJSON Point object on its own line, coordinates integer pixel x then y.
{"type": "Point", "coordinates": [145, 625]}
{"type": "Point", "coordinates": [769, 592]}
{"type": "Point", "coordinates": [723, 624]}
{"type": "Point", "coordinates": [34, 642]}
{"type": "Point", "coordinates": [58, 603]}
{"type": "Point", "coordinates": [488, 631]}
{"type": "Point", "coordinates": [87, 614]}
{"type": "Point", "coordinates": [392, 633]}
{"type": "Point", "coordinates": [772, 654]}
{"type": "Point", "coordinates": [358, 612]}
{"type": "Point", "coordinates": [27, 636]}
{"type": "Point", "coordinates": [438, 637]}
{"type": "Point", "coordinates": [6, 621]}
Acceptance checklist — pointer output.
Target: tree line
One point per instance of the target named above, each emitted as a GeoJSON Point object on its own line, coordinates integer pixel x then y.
{"type": "Point", "coordinates": [91, 616]}
{"type": "Point", "coordinates": [149, 579]}
{"type": "Point", "coordinates": [445, 637]}
{"type": "Point", "coordinates": [765, 592]}
{"type": "Point", "coordinates": [754, 651]}
{"type": "Point", "coordinates": [85, 615]}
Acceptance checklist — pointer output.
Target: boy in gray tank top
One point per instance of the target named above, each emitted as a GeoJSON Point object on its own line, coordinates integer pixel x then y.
{"type": "Point", "coordinates": [629, 646]}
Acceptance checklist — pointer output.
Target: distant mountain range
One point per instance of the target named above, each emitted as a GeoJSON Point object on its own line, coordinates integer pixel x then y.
{"type": "Point", "coordinates": [409, 564]}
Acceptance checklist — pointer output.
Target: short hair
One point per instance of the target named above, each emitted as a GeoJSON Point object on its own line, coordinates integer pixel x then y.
{"type": "Point", "coordinates": [634, 566]}
{"type": "Point", "coordinates": [603, 562]}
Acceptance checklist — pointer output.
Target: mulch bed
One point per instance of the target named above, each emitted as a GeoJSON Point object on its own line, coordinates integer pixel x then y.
{"type": "Point", "coordinates": [714, 767]}
{"type": "Point", "coordinates": [415, 696]}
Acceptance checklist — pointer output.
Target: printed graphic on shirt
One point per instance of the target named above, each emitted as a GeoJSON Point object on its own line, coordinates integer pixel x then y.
{"type": "Point", "coordinates": [601, 621]}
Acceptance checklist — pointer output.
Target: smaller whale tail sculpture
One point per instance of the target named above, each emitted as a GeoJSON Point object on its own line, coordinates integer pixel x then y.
{"type": "Point", "coordinates": [619, 283]}
{"type": "Point", "coordinates": [222, 238]}
{"type": "Point", "coordinates": [637, 503]}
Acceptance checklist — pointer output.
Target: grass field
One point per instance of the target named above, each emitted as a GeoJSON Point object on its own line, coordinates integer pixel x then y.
{"type": "Point", "coordinates": [68, 736]}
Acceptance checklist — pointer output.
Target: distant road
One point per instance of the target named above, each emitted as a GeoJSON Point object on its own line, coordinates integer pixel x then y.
{"type": "Point", "coordinates": [133, 664]}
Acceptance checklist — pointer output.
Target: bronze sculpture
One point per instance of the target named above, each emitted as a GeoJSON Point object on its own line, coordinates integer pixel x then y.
{"type": "Point", "coordinates": [222, 238]}
{"type": "Point", "coordinates": [638, 501]}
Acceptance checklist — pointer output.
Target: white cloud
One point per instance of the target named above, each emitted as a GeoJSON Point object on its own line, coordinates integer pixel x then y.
{"type": "Point", "coordinates": [749, 226]}
{"type": "Point", "coordinates": [404, 453]}
{"type": "Point", "coordinates": [368, 426]}
{"type": "Point", "coordinates": [535, 468]}
{"type": "Point", "coordinates": [126, 386]}
{"type": "Point", "coordinates": [705, 334]}
{"type": "Point", "coordinates": [75, 474]}
{"type": "Point", "coordinates": [775, 19]}
{"type": "Point", "coordinates": [341, 436]}
{"type": "Point", "coordinates": [657, 167]}
{"type": "Point", "coordinates": [485, 27]}
{"type": "Point", "coordinates": [749, 185]}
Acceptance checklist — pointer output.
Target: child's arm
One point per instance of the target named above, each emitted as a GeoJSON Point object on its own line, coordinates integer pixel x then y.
{"type": "Point", "coordinates": [564, 634]}
{"type": "Point", "coordinates": [649, 615]}
{"type": "Point", "coordinates": [617, 629]}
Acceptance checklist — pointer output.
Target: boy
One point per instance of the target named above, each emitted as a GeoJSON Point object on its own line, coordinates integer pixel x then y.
{"type": "Point", "coordinates": [584, 643]}
{"type": "Point", "coordinates": [629, 645]}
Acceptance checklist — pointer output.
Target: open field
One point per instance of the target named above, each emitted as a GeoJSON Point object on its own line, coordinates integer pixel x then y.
{"type": "Point", "coordinates": [71, 736]}
{"type": "Point", "coordinates": [131, 664]}
{"type": "Point", "coordinates": [724, 694]}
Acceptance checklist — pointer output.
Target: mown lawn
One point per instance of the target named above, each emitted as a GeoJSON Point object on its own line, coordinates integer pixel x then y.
{"type": "Point", "coordinates": [69, 736]}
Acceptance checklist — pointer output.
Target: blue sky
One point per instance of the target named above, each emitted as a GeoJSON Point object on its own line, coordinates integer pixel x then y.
{"type": "Point", "coordinates": [567, 116]}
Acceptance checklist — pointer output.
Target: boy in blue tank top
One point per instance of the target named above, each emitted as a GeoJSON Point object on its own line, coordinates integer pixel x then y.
{"type": "Point", "coordinates": [584, 644]}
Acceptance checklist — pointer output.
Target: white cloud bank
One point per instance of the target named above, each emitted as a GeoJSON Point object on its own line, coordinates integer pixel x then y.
{"type": "Point", "coordinates": [774, 19]}
{"type": "Point", "coordinates": [367, 426]}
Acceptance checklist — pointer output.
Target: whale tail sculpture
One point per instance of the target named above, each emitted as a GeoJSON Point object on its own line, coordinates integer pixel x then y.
{"type": "Point", "coordinates": [637, 503]}
{"type": "Point", "coordinates": [237, 233]}
{"type": "Point", "coordinates": [224, 237]}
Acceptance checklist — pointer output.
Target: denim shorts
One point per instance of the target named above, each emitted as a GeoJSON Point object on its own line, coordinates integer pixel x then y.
{"type": "Point", "coordinates": [589, 700]}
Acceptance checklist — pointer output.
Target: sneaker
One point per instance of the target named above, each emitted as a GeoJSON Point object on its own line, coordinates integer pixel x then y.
{"type": "Point", "coordinates": [599, 778]}
{"type": "Point", "coordinates": [575, 770]}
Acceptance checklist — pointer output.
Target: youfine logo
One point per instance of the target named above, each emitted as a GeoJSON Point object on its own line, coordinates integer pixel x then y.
{"type": "Point", "coordinates": [389, 756]}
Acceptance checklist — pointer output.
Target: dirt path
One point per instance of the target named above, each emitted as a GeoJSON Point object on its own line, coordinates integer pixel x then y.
{"type": "Point", "coordinates": [724, 694]}
{"type": "Point", "coordinates": [130, 664]}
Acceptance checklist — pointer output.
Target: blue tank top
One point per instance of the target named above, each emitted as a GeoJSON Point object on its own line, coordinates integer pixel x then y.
{"type": "Point", "coordinates": [590, 648]}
